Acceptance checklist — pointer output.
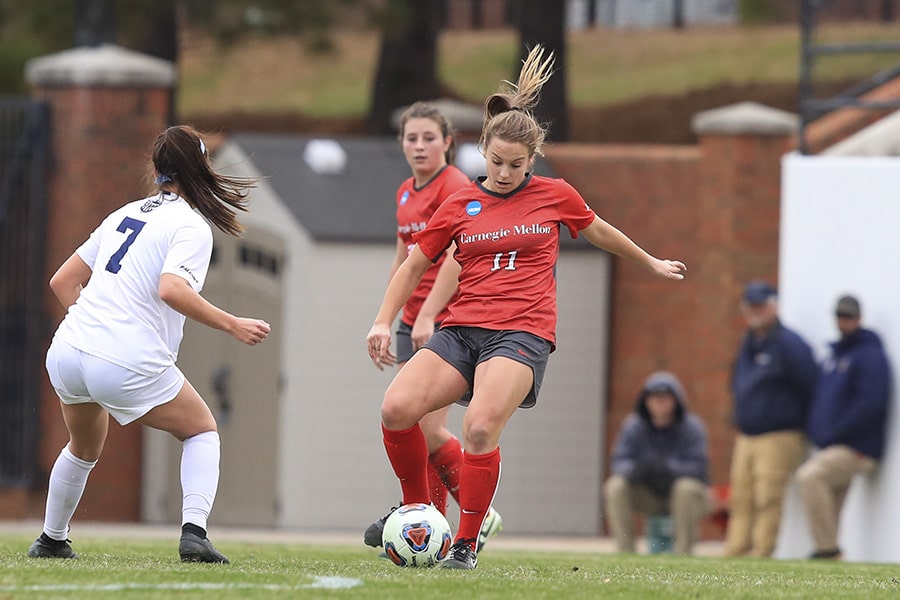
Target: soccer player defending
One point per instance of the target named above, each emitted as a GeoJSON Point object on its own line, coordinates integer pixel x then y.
{"type": "Point", "coordinates": [128, 289]}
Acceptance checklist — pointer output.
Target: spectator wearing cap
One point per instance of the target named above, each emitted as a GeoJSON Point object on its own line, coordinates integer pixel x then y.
{"type": "Point", "coordinates": [659, 465]}
{"type": "Point", "coordinates": [846, 423]}
{"type": "Point", "coordinates": [772, 384]}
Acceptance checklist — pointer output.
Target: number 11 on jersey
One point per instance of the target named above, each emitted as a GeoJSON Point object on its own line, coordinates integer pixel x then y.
{"type": "Point", "coordinates": [510, 265]}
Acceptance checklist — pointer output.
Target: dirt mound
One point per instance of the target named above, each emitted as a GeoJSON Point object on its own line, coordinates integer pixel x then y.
{"type": "Point", "coordinates": [650, 120]}
{"type": "Point", "coordinates": [667, 119]}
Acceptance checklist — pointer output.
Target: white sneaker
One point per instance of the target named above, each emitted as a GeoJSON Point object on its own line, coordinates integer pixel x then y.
{"type": "Point", "coordinates": [493, 524]}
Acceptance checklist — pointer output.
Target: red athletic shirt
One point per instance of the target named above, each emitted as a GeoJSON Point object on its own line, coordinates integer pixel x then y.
{"type": "Point", "coordinates": [414, 208]}
{"type": "Point", "coordinates": [507, 246]}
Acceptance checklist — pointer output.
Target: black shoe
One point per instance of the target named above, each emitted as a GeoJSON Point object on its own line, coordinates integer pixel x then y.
{"type": "Point", "coordinates": [462, 556]}
{"type": "Point", "coordinates": [45, 547]}
{"type": "Point", "coordinates": [833, 554]}
{"type": "Point", "coordinates": [194, 548]}
{"type": "Point", "coordinates": [375, 531]}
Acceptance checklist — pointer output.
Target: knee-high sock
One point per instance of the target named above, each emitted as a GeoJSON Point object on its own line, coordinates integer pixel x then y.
{"type": "Point", "coordinates": [437, 491]}
{"type": "Point", "coordinates": [445, 464]}
{"type": "Point", "coordinates": [477, 486]}
{"type": "Point", "coordinates": [408, 453]}
{"type": "Point", "coordinates": [67, 480]}
{"type": "Point", "coordinates": [199, 477]}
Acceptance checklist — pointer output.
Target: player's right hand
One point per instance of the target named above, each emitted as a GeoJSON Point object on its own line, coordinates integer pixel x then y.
{"type": "Point", "coordinates": [378, 343]}
{"type": "Point", "coordinates": [251, 331]}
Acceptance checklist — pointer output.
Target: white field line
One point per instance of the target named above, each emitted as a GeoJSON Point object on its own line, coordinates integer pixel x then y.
{"type": "Point", "coordinates": [318, 582]}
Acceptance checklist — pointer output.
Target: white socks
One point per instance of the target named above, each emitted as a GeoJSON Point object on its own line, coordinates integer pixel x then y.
{"type": "Point", "coordinates": [67, 481]}
{"type": "Point", "coordinates": [199, 481]}
{"type": "Point", "coordinates": [199, 477]}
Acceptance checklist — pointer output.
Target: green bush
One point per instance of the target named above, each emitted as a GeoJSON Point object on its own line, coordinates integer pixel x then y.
{"type": "Point", "coordinates": [14, 52]}
{"type": "Point", "coordinates": [758, 12]}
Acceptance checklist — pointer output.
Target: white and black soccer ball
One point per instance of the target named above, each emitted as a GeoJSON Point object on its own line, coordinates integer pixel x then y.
{"type": "Point", "coordinates": [417, 535]}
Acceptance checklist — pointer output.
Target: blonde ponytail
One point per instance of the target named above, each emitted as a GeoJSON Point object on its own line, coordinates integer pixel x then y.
{"type": "Point", "coordinates": [508, 113]}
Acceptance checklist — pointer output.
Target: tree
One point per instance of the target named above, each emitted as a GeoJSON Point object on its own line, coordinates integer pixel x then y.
{"type": "Point", "coordinates": [407, 63]}
{"type": "Point", "coordinates": [95, 22]}
{"type": "Point", "coordinates": [544, 23]}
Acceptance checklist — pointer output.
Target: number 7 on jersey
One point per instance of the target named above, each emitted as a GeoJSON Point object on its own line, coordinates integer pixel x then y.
{"type": "Point", "coordinates": [127, 224]}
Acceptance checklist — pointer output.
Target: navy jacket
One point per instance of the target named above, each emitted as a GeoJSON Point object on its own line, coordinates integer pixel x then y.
{"type": "Point", "coordinates": [851, 401]}
{"type": "Point", "coordinates": [655, 457]}
{"type": "Point", "coordinates": [773, 382]}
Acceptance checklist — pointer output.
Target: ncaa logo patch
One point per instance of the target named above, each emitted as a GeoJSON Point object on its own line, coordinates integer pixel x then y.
{"type": "Point", "coordinates": [473, 208]}
{"type": "Point", "coordinates": [404, 197]}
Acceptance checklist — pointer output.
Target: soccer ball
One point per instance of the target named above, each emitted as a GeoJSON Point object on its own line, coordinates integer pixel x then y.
{"type": "Point", "coordinates": [416, 535]}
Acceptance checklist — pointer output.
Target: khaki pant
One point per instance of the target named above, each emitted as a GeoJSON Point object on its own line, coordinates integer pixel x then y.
{"type": "Point", "coordinates": [687, 504]}
{"type": "Point", "coordinates": [823, 481]}
{"type": "Point", "coordinates": [761, 467]}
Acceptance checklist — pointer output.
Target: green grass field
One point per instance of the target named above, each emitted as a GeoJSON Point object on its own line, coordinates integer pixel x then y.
{"type": "Point", "coordinates": [113, 568]}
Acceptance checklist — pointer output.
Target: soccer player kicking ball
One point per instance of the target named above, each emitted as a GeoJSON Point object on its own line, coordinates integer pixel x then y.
{"type": "Point", "coordinates": [501, 328]}
{"type": "Point", "coordinates": [426, 138]}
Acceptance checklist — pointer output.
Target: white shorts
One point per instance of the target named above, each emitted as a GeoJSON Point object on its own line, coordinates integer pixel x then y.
{"type": "Point", "coordinates": [78, 378]}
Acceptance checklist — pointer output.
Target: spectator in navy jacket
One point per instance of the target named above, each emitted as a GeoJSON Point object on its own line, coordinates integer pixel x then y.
{"type": "Point", "coordinates": [772, 384]}
{"type": "Point", "coordinates": [659, 465]}
{"type": "Point", "coordinates": [847, 423]}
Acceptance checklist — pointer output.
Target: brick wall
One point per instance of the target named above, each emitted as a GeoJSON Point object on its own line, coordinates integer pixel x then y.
{"type": "Point", "coordinates": [714, 206]}
{"type": "Point", "coordinates": [100, 140]}
{"type": "Point", "coordinates": [107, 105]}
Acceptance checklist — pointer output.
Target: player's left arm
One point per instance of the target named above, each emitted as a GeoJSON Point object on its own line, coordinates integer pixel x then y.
{"type": "Point", "coordinates": [180, 295]}
{"type": "Point", "coordinates": [607, 237]}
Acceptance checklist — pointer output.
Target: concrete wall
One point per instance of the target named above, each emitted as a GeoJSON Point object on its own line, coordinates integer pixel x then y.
{"type": "Point", "coordinates": [838, 235]}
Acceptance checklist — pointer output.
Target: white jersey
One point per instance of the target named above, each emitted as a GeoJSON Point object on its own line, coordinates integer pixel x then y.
{"type": "Point", "coordinates": [119, 315]}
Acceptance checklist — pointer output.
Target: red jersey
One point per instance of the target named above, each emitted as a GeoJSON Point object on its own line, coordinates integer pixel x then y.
{"type": "Point", "coordinates": [414, 209]}
{"type": "Point", "coordinates": [507, 246]}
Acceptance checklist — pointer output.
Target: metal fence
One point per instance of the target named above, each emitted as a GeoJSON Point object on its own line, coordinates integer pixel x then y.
{"type": "Point", "coordinates": [811, 51]}
{"type": "Point", "coordinates": [24, 151]}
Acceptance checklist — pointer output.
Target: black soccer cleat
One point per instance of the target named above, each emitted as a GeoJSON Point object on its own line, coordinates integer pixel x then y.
{"type": "Point", "coordinates": [46, 547]}
{"type": "Point", "coordinates": [194, 548]}
{"type": "Point", "coordinates": [832, 554]}
{"type": "Point", "coordinates": [375, 532]}
{"type": "Point", "coordinates": [462, 555]}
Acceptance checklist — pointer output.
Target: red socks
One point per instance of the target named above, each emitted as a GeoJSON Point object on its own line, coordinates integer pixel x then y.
{"type": "Point", "coordinates": [436, 489]}
{"type": "Point", "coordinates": [444, 466]}
{"type": "Point", "coordinates": [408, 453]}
{"type": "Point", "coordinates": [479, 477]}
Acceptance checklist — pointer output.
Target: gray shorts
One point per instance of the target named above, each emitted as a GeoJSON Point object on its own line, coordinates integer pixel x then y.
{"type": "Point", "coordinates": [466, 347]}
{"type": "Point", "coordinates": [404, 341]}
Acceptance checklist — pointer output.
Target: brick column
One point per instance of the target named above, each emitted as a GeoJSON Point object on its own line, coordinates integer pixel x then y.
{"type": "Point", "coordinates": [739, 200]}
{"type": "Point", "coordinates": [107, 106]}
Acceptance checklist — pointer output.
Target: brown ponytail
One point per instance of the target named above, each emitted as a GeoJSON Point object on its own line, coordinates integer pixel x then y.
{"type": "Point", "coordinates": [180, 156]}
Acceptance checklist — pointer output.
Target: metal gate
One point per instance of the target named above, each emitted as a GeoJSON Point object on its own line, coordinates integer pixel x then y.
{"type": "Point", "coordinates": [24, 148]}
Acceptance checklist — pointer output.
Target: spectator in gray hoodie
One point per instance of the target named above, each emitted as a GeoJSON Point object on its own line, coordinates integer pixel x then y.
{"type": "Point", "coordinates": [659, 465]}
